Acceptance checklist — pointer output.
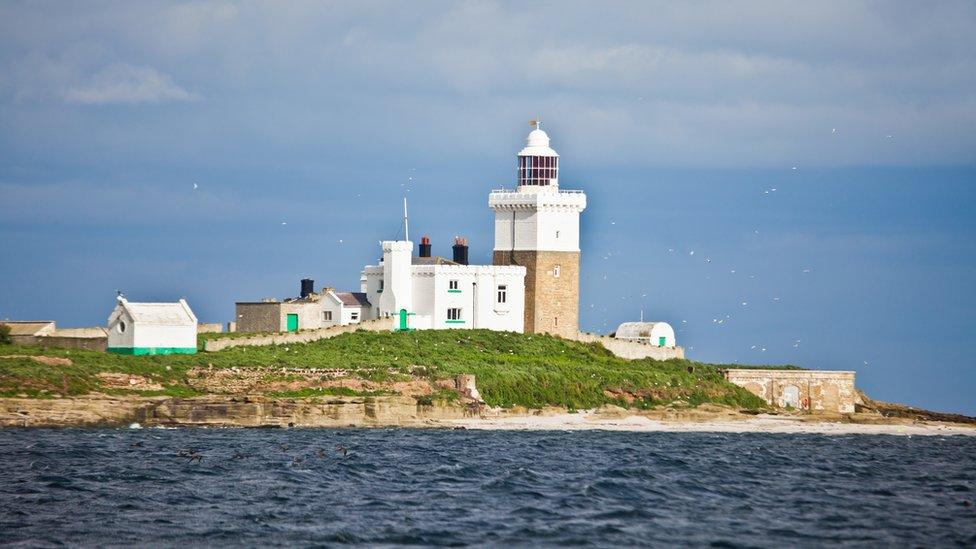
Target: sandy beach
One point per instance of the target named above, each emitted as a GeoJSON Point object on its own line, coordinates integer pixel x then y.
{"type": "Point", "coordinates": [590, 420]}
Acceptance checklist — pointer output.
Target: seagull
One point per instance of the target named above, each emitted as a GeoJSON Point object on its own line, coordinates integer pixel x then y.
{"type": "Point", "coordinates": [833, 130]}
{"type": "Point", "coordinates": [284, 223]}
{"type": "Point", "coordinates": [794, 167]}
{"type": "Point", "coordinates": [195, 186]}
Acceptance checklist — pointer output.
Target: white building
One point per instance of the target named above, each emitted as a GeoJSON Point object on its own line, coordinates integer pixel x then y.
{"type": "Point", "coordinates": [152, 328]}
{"type": "Point", "coordinates": [435, 293]}
{"type": "Point", "coordinates": [342, 308]}
{"type": "Point", "coordinates": [660, 334]}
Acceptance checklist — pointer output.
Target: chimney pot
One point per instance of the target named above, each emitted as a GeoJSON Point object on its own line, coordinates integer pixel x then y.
{"type": "Point", "coordinates": [461, 250]}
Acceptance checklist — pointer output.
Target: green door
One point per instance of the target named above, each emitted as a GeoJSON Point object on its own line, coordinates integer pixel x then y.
{"type": "Point", "coordinates": [292, 322]}
{"type": "Point", "coordinates": [661, 341]}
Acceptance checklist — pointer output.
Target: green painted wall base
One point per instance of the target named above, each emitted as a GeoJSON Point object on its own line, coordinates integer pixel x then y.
{"type": "Point", "coordinates": [153, 350]}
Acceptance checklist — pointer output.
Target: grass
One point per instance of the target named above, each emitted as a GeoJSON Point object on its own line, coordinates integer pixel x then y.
{"type": "Point", "coordinates": [329, 391]}
{"type": "Point", "coordinates": [529, 370]}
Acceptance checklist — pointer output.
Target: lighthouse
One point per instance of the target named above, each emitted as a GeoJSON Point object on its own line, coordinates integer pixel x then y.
{"type": "Point", "coordinates": [537, 227]}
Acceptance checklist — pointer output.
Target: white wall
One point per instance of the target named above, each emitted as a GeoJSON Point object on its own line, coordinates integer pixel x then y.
{"type": "Point", "coordinates": [543, 221]}
{"type": "Point", "coordinates": [373, 275]}
{"type": "Point", "coordinates": [347, 315]}
{"type": "Point", "coordinates": [397, 265]}
{"type": "Point", "coordinates": [115, 337]}
{"type": "Point", "coordinates": [164, 336]}
{"type": "Point", "coordinates": [477, 296]}
{"type": "Point", "coordinates": [330, 302]}
{"type": "Point", "coordinates": [309, 315]}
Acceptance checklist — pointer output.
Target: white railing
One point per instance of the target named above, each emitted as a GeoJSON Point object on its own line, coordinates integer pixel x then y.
{"type": "Point", "coordinates": [515, 191]}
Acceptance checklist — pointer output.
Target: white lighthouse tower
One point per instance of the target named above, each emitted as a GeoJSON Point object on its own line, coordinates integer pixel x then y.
{"type": "Point", "coordinates": [537, 226]}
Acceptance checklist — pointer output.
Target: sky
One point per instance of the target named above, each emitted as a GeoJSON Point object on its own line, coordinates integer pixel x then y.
{"type": "Point", "coordinates": [783, 182]}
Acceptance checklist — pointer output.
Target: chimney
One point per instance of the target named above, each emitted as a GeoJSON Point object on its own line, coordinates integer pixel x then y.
{"type": "Point", "coordinates": [461, 250]}
{"type": "Point", "coordinates": [308, 287]}
{"type": "Point", "coordinates": [425, 246]}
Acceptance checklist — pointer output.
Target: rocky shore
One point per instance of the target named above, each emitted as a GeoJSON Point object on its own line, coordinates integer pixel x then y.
{"type": "Point", "coordinates": [99, 410]}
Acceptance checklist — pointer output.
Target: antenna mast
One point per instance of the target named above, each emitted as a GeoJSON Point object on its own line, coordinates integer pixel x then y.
{"type": "Point", "coordinates": [406, 222]}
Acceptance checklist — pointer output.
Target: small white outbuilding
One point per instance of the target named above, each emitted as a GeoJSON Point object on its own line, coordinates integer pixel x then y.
{"type": "Point", "coordinates": [152, 328]}
{"type": "Point", "coordinates": [660, 334]}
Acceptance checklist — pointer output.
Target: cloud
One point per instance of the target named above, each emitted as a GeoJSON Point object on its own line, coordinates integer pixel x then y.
{"type": "Point", "coordinates": [124, 83]}
{"type": "Point", "coordinates": [650, 83]}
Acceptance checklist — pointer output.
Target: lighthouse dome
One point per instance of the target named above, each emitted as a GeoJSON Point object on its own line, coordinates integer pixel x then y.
{"type": "Point", "coordinates": [537, 144]}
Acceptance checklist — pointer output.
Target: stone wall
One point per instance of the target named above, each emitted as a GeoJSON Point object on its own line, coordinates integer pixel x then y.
{"type": "Point", "coordinates": [818, 391]}
{"type": "Point", "coordinates": [551, 302]}
{"type": "Point", "coordinates": [71, 342]}
{"type": "Point", "coordinates": [210, 328]}
{"type": "Point", "coordinates": [66, 341]}
{"type": "Point", "coordinates": [377, 325]}
{"type": "Point", "coordinates": [630, 350]}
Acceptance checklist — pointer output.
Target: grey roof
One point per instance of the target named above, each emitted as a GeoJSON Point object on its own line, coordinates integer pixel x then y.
{"type": "Point", "coordinates": [28, 327]}
{"type": "Point", "coordinates": [436, 260]}
{"type": "Point", "coordinates": [353, 299]}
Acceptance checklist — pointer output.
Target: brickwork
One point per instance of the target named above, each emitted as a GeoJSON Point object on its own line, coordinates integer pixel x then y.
{"type": "Point", "coordinates": [818, 391]}
{"type": "Point", "coordinates": [258, 317]}
{"type": "Point", "coordinates": [551, 302]}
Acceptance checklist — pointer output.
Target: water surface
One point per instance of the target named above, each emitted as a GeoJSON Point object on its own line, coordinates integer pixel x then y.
{"type": "Point", "coordinates": [436, 487]}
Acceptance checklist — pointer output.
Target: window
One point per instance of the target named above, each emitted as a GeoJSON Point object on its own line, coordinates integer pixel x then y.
{"type": "Point", "coordinates": [555, 271]}
{"type": "Point", "coordinates": [354, 315]}
{"type": "Point", "coordinates": [452, 286]}
{"type": "Point", "coordinates": [454, 314]}
{"type": "Point", "coordinates": [381, 287]}
{"type": "Point", "coordinates": [555, 321]}
{"type": "Point", "coordinates": [502, 293]}
{"type": "Point", "coordinates": [327, 315]}
{"type": "Point", "coordinates": [121, 326]}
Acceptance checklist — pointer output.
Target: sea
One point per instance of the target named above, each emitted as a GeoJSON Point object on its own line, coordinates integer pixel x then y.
{"type": "Point", "coordinates": [397, 487]}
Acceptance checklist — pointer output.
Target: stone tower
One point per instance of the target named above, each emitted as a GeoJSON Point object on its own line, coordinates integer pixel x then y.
{"type": "Point", "coordinates": [537, 227]}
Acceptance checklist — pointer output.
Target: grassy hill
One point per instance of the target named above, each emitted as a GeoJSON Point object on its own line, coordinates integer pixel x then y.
{"type": "Point", "coordinates": [512, 369]}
